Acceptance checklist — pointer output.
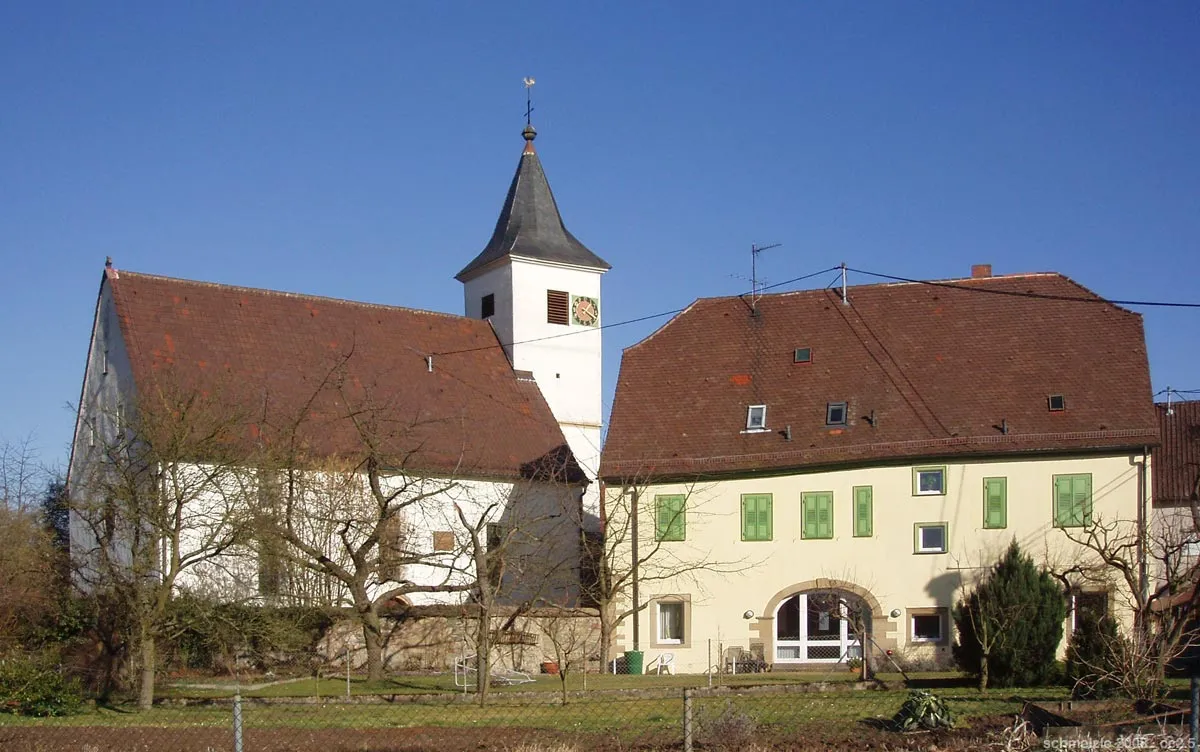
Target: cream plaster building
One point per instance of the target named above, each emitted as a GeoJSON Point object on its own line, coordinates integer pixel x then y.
{"type": "Point", "coordinates": [866, 455]}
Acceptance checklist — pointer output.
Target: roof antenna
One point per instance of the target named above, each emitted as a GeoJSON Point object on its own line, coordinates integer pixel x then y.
{"type": "Point", "coordinates": [754, 285]}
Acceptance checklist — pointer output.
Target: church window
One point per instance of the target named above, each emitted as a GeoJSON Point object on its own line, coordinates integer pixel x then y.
{"type": "Point", "coordinates": [487, 306]}
{"type": "Point", "coordinates": [558, 305]}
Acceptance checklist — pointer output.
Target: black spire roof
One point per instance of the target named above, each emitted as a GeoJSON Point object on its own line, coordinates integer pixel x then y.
{"type": "Point", "coordinates": [530, 225]}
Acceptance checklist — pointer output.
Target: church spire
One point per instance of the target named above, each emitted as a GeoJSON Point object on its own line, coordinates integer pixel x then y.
{"type": "Point", "coordinates": [530, 225]}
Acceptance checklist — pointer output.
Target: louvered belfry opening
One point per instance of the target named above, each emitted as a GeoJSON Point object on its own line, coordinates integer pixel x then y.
{"type": "Point", "coordinates": [557, 307]}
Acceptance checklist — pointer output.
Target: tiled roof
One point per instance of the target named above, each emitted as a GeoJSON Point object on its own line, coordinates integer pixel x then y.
{"type": "Point", "coordinates": [286, 355]}
{"type": "Point", "coordinates": [1176, 463]}
{"type": "Point", "coordinates": [943, 372]}
{"type": "Point", "coordinates": [530, 225]}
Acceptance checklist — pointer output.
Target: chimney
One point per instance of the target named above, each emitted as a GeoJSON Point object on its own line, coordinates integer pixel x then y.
{"type": "Point", "coordinates": [981, 270]}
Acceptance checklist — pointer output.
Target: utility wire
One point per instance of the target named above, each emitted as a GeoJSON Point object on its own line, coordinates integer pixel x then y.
{"type": "Point", "coordinates": [620, 323]}
{"type": "Point", "coordinates": [1021, 294]}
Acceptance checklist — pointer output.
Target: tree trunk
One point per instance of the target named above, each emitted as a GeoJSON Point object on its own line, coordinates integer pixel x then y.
{"type": "Point", "coordinates": [606, 632]}
{"type": "Point", "coordinates": [373, 639]}
{"type": "Point", "coordinates": [983, 672]}
{"type": "Point", "coordinates": [146, 685]}
{"type": "Point", "coordinates": [483, 655]}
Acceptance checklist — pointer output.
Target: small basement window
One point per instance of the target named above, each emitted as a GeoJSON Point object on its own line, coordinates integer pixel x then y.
{"type": "Point", "coordinates": [756, 418]}
{"type": "Point", "coordinates": [927, 627]}
{"type": "Point", "coordinates": [803, 355]}
{"type": "Point", "coordinates": [1058, 403]}
{"type": "Point", "coordinates": [487, 306]}
{"type": "Point", "coordinates": [835, 414]}
{"type": "Point", "coordinates": [930, 538]}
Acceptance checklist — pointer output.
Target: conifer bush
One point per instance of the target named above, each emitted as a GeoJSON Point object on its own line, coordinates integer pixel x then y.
{"type": "Point", "coordinates": [1010, 625]}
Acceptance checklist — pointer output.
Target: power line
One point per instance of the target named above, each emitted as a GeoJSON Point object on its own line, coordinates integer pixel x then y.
{"type": "Point", "coordinates": [619, 323]}
{"type": "Point", "coordinates": [1026, 294]}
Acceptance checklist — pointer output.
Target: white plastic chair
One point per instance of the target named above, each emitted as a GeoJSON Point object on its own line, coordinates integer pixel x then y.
{"type": "Point", "coordinates": [664, 661]}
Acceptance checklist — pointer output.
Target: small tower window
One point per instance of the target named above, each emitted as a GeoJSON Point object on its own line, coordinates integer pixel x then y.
{"type": "Point", "coordinates": [756, 418]}
{"type": "Point", "coordinates": [487, 306]}
{"type": "Point", "coordinates": [835, 414]}
{"type": "Point", "coordinates": [803, 355]}
{"type": "Point", "coordinates": [1058, 403]}
{"type": "Point", "coordinates": [558, 304]}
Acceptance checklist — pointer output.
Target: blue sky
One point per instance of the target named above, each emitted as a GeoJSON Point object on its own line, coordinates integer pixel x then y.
{"type": "Point", "coordinates": [363, 150]}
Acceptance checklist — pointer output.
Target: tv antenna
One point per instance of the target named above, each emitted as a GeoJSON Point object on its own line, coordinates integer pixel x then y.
{"type": "Point", "coordinates": [529, 82]}
{"type": "Point", "coordinates": [755, 285]}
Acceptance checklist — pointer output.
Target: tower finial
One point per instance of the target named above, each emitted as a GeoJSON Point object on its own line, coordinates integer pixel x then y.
{"type": "Point", "coordinates": [530, 132]}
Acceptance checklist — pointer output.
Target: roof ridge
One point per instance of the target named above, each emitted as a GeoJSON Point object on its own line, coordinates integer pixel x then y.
{"type": "Point", "coordinates": [299, 295]}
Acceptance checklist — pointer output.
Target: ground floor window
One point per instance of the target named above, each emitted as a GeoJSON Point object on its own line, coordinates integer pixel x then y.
{"type": "Point", "coordinates": [928, 625]}
{"type": "Point", "coordinates": [820, 627]}
{"type": "Point", "coordinates": [670, 622]}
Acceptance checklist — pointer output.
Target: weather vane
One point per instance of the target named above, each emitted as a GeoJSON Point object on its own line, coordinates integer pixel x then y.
{"type": "Point", "coordinates": [529, 82]}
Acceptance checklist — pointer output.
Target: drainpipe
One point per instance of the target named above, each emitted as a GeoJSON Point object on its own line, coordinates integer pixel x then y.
{"type": "Point", "coordinates": [637, 615]}
{"type": "Point", "coordinates": [1143, 524]}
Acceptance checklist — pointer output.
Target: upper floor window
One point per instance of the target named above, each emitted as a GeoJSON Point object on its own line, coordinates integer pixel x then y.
{"type": "Point", "coordinates": [487, 306]}
{"type": "Point", "coordinates": [995, 503]}
{"type": "Point", "coordinates": [930, 538]}
{"type": "Point", "coordinates": [669, 518]}
{"type": "Point", "coordinates": [558, 304]}
{"type": "Point", "coordinates": [835, 414]}
{"type": "Point", "coordinates": [817, 515]}
{"type": "Point", "coordinates": [1073, 500]}
{"type": "Point", "coordinates": [756, 517]}
{"type": "Point", "coordinates": [756, 418]}
{"type": "Point", "coordinates": [929, 481]}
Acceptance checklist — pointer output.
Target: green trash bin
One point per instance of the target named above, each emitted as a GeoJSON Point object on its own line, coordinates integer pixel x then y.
{"type": "Point", "coordinates": [633, 661]}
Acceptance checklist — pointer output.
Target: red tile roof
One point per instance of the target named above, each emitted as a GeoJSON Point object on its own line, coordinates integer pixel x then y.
{"type": "Point", "coordinates": [942, 370]}
{"type": "Point", "coordinates": [1175, 465]}
{"type": "Point", "coordinates": [285, 355]}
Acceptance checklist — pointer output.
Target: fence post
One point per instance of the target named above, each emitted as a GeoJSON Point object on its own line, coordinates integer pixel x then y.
{"type": "Point", "coordinates": [687, 720]}
{"type": "Point", "coordinates": [1195, 719]}
{"type": "Point", "coordinates": [710, 663]}
{"type": "Point", "coordinates": [347, 672]}
{"type": "Point", "coordinates": [237, 722]}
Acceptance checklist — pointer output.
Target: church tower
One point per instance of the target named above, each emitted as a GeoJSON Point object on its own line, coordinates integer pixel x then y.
{"type": "Point", "coordinates": [540, 287]}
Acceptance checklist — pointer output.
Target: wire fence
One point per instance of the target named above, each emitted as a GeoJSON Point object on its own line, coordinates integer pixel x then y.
{"type": "Point", "coordinates": [335, 710]}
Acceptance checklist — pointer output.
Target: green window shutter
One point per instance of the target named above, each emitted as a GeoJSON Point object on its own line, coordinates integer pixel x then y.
{"type": "Point", "coordinates": [765, 518]}
{"type": "Point", "coordinates": [749, 517]}
{"type": "Point", "coordinates": [756, 517]}
{"type": "Point", "coordinates": [810, 516]}
{"type": "Point", "coordinates": [1063, 499]}
{"type": "Point", "coordinates": [995, 503]}
{"type": "Point", "coordinates": [825, 515]}
{"type": "Point", "coordinates": [1082, 493]}
{"type": "Point", "coordinates": [669, 518]}
{"type": "Point", "coordinates": [863, 513]}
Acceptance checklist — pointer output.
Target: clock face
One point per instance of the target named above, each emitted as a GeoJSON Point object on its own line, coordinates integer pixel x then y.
{"type": "Point", "coordinates": [586, 311]}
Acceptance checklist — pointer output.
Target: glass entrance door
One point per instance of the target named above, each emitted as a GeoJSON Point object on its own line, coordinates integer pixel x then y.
{"type": "Point", "coordinates": [816, 628]}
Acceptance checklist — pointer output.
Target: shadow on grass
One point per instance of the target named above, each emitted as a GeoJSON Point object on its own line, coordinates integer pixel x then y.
{"type": "Point", "coordinates": [942, 682]}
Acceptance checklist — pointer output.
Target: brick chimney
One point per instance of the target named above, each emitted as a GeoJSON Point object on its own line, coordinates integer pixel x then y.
{"type": "Point", "coordinates": [981, 270]}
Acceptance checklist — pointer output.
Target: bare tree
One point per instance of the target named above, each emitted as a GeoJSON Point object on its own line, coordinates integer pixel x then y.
{"type": "Point", "coordinates": [636, 549]}
{"type": "Point", "coordinates": [524, 552]}
{"type": "Point", "coordinates": [573, 637]}
{"type": "Point", "coordinates": [22, 477]}
{"type": "Point", "coordinates": [1163, 610]}
{"type": "Point", "coordinates": [28, 570]}
{"type": "Point", "coordinates": [162, 490]}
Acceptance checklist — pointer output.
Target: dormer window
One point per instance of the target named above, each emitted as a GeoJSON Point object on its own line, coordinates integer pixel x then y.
{"type": "Point", "coordinates": [1057, 402]}
{"type": "Point", "coordinates": [835, 414]}
{"type": "Point", "coordinates": [756, 418]}
{"type": "Point", "coordinates": [802, 355]}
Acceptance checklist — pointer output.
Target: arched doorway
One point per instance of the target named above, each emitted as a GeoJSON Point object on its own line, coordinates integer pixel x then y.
{"type": "Point", "coordinates": [820, 626]}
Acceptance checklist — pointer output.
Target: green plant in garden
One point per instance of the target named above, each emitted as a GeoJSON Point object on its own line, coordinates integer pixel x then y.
{"type": "Point", "coordinates": [1090, 656]}
{"type": "Point", "coordinates": [31, 685]}
{"type": "Point", "coordinates": [1010, 625]}
{"type": "Point", "coordinates": [923, 710]}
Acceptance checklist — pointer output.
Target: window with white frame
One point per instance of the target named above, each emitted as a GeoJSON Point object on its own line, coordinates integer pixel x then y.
{"type": "Point", "coordinates": [756, 418]}
{"type": "Point", "coordinates": [927, 627]}
{"type": "Point", "coordinates": [670, 622]}
{"type": "Point", "coordinates": [929, 481]}
{"type": "Point", "coordinates": [930, 537]}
